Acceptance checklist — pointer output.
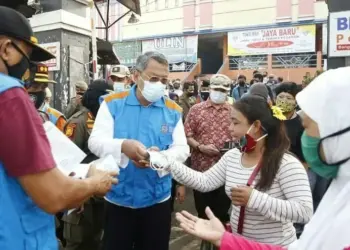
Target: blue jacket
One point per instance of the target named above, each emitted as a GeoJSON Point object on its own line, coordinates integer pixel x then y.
{"type": "Point", "coordinates": [235, 92]}
{"type": "Point", "coordinates": [23, 225]}
{"type": "Point", "coordinates": [152, 126]}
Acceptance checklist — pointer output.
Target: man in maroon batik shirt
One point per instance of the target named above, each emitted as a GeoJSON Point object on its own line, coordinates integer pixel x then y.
{"type": "Point", "coordinates": [206, 128]}
{"type": "Point", "coordinates": [24, 148]}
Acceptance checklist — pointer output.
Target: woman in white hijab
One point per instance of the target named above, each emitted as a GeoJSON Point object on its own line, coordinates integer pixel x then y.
{"type": "Point", "coordinates": [325, 104]}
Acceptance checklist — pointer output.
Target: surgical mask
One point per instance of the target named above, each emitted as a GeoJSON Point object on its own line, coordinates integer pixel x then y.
{"type": "Point", "coordinates": [247, 143]}
{"type": "Point", "coordinates": [218, 97]}
{"type": "Point", "coordinates": [205, 95]}
{"type": "Point", "coordinates": [287, 106]}
{"type": "Point", "coordinates": [152, 92]}
{"type": "Point", "coordinates": [38, 98]}
{"type": "Point", "coordinates": [21, 69]}
{"type": "Point", "coordinates": [311, 147]}
{"type": "Point", "coordinates": [118, 86]}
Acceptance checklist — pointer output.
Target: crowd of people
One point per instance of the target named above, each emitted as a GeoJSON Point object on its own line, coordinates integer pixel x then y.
{"type": "Point", "coordinates": [261, 157]}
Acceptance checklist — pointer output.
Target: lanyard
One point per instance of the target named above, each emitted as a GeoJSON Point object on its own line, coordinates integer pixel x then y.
{"type": "Point", "coordinates": [242, 210]}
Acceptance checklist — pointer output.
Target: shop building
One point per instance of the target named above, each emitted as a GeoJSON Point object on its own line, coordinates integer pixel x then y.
{"type": "Point", "coordinates": [283, 37]}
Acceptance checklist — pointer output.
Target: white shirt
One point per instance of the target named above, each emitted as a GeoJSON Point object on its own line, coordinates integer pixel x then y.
{"type": "Point", "coordinates": [178, 92]}
{"type": "Point", "coordinates": [270, 214]}
{"type": "Point", "coordinates": [103, 143]}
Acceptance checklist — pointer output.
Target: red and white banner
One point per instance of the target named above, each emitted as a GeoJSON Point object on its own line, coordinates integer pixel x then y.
{"type": "Point", "coordinates": [296, 39]}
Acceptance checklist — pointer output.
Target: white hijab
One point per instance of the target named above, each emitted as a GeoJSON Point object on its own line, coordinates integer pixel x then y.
{"type": "Point", "coordinates": [327, 101]}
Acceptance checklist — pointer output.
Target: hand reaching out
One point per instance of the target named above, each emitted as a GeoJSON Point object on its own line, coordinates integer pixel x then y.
{"type": "Point", "coordinates": [210, 230]}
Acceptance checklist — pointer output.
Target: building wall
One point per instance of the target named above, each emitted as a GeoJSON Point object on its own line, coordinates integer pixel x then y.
{"type": "Point", "coordinates": [66, 22]}
{"type": "Point", "coordinates": [167, 18]}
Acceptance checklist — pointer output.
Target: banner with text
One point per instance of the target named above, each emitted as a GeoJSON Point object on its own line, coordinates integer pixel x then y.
{"type": "Point", "coordinates": [176, 49]}
{"type": "Point", "coordinates": [297, 39]}
{"type": "Point", "coordinates": [339, 34]}
{"type": "Point", "coordinates": [54, 48]}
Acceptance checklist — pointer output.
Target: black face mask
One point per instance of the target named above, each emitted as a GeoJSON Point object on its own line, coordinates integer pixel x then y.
{"type": "Point", "coordinates": [241, 83]}
{"type": "Point", "coordinates": [18, 70]}
{"type": "Point", "coordinates": [38, 98]}
{"type": "Point", "coordinates": [205, 95]}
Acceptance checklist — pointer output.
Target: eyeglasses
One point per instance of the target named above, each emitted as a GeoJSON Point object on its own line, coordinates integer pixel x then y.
{"type": "Point", "coordinates": [154, 79]}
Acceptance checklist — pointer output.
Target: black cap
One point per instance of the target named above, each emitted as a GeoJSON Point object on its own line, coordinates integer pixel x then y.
{"type": "Point", "coordinates": [100, 85]}
{"type": "Point", "coordinates": [15, 25]}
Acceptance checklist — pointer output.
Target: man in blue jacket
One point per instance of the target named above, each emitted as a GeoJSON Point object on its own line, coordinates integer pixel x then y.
{"type": "Point", "coordinates": [129, 123]}
{"type": "Point", "coordinates": [241, 88]}
{"type": "Point", "coordinates": [31, 187]}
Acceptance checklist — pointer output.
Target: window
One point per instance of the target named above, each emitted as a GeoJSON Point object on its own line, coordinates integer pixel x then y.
{"type": "Point", "coordinates": [296, 60]}
{"type": "Point", "coordinates": [248, 62]}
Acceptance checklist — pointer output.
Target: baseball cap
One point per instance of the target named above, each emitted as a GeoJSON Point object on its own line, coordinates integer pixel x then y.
{"type": "Point", "coordinates": [120, 71]}
{"type": "Point", "coordinates": [14, 24]}
{"type": "Point", "coordinates": [81, 85]}
{"type": "Point", "coordinates": [259, 89]}
{"type": "Point", "coordinates": [41, 73]}
{"type": "Point", "coordinates": [220, 81]}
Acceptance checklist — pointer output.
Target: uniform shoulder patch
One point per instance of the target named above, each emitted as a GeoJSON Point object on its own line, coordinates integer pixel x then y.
{"type": "Point", "coordinates": [91, 116]}
{"type": "Point", "coordinates": [119, 95]}
{"type": "Point", "coordinates": [90, 120]}
{"type": "Point", "coordinates": [70, 129]}
{"type": "Point", "coordinates": [172, 105]}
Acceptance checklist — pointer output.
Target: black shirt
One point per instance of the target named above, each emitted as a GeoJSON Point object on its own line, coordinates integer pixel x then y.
{"type": "Point", "coordinates": [295, 130]}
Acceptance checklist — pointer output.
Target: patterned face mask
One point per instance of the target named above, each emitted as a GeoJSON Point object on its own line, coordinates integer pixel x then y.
{"type": "Point", "coordinates": [285, 104]}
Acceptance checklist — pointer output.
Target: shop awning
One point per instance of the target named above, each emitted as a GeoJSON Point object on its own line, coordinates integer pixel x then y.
{"type": "Point", "coordinates": [133, 5]}
{"type": "Point", "coordinates": [105, 53]}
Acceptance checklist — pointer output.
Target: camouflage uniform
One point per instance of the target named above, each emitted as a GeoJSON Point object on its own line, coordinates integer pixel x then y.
{"type": "Point", "coordinates": [83, 231]}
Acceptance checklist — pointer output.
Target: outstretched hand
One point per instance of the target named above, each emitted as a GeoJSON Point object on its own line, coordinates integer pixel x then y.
{"type": "Point", "coordinates": [210, 230]}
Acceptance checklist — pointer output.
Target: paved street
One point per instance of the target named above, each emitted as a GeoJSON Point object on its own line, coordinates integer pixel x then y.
{"type": "Point", "coordinates": [180, 240]}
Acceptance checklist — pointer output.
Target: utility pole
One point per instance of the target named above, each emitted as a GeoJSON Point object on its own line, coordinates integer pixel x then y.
{"type": "Point", "coordinates": [93, 40]}
{"type": "Point", "coordinates": [105, 73]}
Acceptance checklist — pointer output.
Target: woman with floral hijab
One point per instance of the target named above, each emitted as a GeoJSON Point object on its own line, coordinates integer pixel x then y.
{"type": "Point", "coordinates": [325, 145]}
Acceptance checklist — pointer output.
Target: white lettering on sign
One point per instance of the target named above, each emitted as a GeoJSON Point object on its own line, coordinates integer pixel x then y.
{"type": "Point", "coordinates": [169, 43]}
{"type": "Point", "coordinates": [175, 49]}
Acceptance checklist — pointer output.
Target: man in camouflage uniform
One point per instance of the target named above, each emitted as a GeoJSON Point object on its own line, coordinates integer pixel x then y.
{"type": "Point", "coordinates": [189, 97]}
{"type": "Point", "coordinates": [120, 76]}
{"type": "Point", "coordinates": [83, 227]}
{"type": "Point", "coordinates": [75, 103]}
{"type": "Point", "coordinates": [36, 87]}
